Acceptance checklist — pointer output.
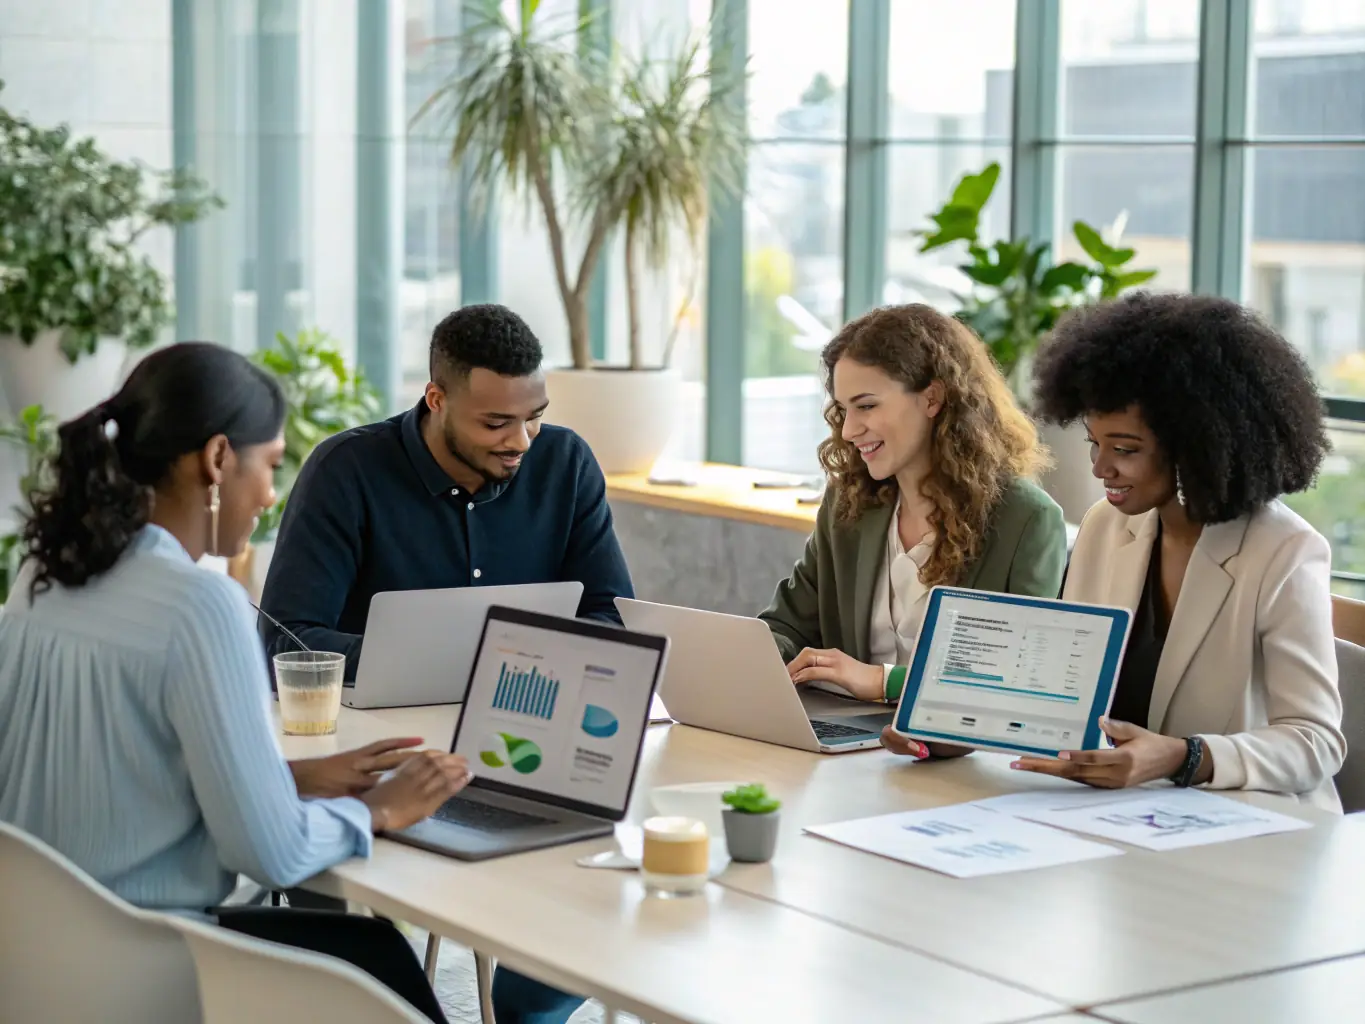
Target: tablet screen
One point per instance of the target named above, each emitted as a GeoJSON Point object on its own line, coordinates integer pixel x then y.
{"type": "Point", "coordinates": [1010, 673]}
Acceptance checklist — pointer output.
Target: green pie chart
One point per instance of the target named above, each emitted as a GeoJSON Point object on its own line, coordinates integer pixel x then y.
{"type": "Point", "coordinates": [503, 749]}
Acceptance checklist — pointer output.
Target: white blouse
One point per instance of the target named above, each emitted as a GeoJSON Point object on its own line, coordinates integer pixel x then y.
{"type": "Point", "coordinates": [899, 600]}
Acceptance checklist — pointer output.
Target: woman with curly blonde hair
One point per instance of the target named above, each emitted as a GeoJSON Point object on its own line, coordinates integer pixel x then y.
{"type": "Point", "coordinates": [930, 466]}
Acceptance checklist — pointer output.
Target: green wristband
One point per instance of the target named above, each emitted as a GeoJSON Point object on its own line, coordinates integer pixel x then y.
{"type": "Point", "coordinates": [895, 682]}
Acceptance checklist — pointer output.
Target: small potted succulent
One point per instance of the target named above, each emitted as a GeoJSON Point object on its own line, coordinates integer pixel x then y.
{"type": "Point", "coordinates": [751, 821]}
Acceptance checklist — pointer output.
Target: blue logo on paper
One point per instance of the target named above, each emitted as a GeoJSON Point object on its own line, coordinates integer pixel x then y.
{"type": "Point", "coordinates": [599, 722]}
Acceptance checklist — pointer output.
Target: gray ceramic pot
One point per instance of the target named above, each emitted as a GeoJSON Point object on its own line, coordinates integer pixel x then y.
{"type": "Point", "coordinates": [751, 838]}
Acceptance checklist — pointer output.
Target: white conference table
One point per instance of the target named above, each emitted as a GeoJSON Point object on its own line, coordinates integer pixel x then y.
{"type": "Point", "coordinates": [1067, 938]}
{"type": "Point", "coordinates": [1325, 993]}
{"type": "Point", "coordinates": [723, 956]}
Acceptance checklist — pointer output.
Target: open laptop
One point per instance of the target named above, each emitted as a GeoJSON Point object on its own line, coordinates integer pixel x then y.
{"type": "Point", "coordinates": [1014, 674]}
{"type": "Point", "coordinates": [726, 674]}
{"type": "Point", "coordinates": [419, 644]}
{"type": "Point", "coordinates": [552, 727]}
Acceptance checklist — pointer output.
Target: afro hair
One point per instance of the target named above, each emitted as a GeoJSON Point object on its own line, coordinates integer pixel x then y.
{"type": "Point", "coordinates": [1231, 402]}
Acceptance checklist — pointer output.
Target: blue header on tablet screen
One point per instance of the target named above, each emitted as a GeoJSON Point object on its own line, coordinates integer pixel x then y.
{"type": "Point", "coordinates": [1037, 684]}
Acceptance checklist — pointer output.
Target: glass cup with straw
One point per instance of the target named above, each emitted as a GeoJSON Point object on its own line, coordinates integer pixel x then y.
{"type": "Point", "coordinates": [308, 683]}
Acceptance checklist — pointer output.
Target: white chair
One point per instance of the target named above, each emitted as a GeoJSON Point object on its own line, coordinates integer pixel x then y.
{"type": "Point", "coordinates": [246, 979]}
{"type": "Point", "coordinates": [70, 950]}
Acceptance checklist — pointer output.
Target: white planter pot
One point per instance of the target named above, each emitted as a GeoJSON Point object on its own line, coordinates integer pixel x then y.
{"type": "Point", "coordinates": [39, 374]}
{"type": "Point", "coordinates": [626, 416]}
{"type": "Point", "coordinates": [1070, 481]}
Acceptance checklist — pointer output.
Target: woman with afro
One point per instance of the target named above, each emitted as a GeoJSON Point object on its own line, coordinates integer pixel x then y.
{"type": "Point", "coordinates": [1199, 418]}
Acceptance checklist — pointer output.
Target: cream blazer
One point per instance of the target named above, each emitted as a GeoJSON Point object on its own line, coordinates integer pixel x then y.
{"type": "Point", "coordinates": [1249, 663]}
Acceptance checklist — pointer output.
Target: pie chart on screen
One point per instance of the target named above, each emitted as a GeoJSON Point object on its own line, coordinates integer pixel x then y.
{"type": "Point", "coordinates": [599, 722]}
{"type": "Point", "coordinates": [502, 750]}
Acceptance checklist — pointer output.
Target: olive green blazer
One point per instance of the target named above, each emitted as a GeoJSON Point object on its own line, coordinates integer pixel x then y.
{"type": "Point", "coordinates": [827, 600]}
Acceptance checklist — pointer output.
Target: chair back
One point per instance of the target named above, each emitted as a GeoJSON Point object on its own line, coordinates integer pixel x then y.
{"type": "Point", "coordinates": [1348, 619]}
{"type": "Point", "coordinates": [70, 950]}
{"type": "Point", "coordinates": [1351, 678]}
{"type": "Point", "coordinates": [248, 979]}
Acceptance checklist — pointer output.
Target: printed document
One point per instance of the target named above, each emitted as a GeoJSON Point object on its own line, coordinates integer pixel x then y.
{"type": "Point", "coordinates": [1164, 818]}
{"type": "Point", "coordinates": [963, 841]}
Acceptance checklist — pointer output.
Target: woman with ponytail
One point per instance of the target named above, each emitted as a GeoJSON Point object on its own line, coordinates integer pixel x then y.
{"type": "Point", "coordinates": [133, 688]}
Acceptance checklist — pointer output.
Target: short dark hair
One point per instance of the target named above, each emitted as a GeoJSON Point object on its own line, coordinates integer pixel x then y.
{"type": "Point", "coordinates": [174, 402]}
{"type": "Point", "coordinates": [1231, 402]}
{"type": "Point", "coordinates": [486, 336]}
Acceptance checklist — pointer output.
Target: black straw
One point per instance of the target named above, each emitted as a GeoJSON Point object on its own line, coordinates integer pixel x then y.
{"type": "Point", "coordinates": [281, 627]}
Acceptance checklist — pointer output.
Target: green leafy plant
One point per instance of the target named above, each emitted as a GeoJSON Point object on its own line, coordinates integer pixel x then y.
{"type": "Point", "coordinates": [70, 221]}
{"type": "Point", "coordinates": [35, 432]}
{"type": "Point", "coordinates": [600, 140]}
{"type": "Point", "coordinates": [324, 397]}
{"type": "Point", "coordinates": [1017, 293]}
{"type": "Point", "coordinates": [751, 799]}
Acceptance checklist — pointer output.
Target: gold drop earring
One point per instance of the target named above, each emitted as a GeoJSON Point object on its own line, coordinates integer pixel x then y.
{"type": "Point", "coordinates": [214, 505]}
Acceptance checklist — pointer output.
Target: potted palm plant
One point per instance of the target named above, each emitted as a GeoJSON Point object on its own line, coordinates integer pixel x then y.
{"type": "Point", "coordinates": [603, 142]}
{"type": "Point", "coordinates": [75, 289]}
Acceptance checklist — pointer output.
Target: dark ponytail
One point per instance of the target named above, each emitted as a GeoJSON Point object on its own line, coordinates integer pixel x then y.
{"type": "Point", "coordinates": [110, 458]}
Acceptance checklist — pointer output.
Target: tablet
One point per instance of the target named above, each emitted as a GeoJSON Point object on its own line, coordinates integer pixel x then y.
{"type": "Point", "coordinates": [1014, 674]}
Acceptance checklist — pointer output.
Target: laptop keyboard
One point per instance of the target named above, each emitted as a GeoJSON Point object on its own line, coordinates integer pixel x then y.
{"type": "Point", "coordinates": [825, 730]}
{"type": "Point", "coordinates": [486, 817]}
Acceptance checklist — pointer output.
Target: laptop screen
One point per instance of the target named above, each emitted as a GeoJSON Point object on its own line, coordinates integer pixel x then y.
{"type": "Point", "coordinates": [557, 708]}
{"type": "Point", "coordinates": [1003, 672]}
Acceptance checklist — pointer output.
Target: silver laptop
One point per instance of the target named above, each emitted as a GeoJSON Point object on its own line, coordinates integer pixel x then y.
{"type": "Point", "coordinates": [419, 644]}
{"type": "Point", "coordinates": [725, 674]}
{"type": "Point", "coordinates": [553, 728]}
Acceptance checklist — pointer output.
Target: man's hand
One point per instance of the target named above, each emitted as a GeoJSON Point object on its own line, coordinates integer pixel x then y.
{"type": "Point", "coordinates": [1140, 756]}
{"type": "Point", "coordinates": [353, 772]}
{"type": "Point", "coordinates": [833, 666]}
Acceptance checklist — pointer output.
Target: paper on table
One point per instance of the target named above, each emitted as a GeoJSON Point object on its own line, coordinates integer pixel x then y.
{"type": "Point", "coordinates": [1154, 819]}
{"type": "Point", "coordinates": [963, 841]}
{"type": "Point", "coordinates": [1070, 797]}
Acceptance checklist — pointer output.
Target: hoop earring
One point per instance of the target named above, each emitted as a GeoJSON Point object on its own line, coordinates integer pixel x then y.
{"type": "Point", "coordinates": [214, 505]}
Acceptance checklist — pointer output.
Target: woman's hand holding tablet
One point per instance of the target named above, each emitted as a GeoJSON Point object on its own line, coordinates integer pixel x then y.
{"type": "Point", "coordinates": [904, 745]}
{"type": "Point", "coordinates": [1138, 756]}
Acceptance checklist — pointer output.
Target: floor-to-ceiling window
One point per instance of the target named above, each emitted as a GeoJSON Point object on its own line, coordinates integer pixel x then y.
{"type": "Point", "coordinates": [431, 188]}
{"type": "Point", "coordinates": [268, 119]}
{"type": "Point", "coordinates": [1125, 157]}
{"type": "Point", "coordinates": [950, 77]}
{"type": "Point", "coordinates": [1241, 175]}
{"type": "Point", "coordinates": [793, 223]}
{"type": "Point", "coordinates": [1305, 254]}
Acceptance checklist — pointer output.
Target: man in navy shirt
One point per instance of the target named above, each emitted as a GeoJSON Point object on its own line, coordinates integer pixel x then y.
{"type": "Point", "coordinates": [468, 488]}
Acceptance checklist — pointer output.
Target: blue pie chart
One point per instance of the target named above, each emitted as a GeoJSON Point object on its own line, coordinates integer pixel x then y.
{"type": "Point", "coordinates": [599, 722]}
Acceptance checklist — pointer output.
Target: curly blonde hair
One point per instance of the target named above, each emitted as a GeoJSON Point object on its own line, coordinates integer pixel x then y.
{"type": "Point", "coordinates": [981, 440]}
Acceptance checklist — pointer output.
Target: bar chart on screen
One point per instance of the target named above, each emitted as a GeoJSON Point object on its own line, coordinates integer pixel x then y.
{"type": "Point", "coordinates": [526, 691]}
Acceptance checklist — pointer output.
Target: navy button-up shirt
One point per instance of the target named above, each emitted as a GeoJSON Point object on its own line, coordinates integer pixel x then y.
{"type": "Point", "coordinates": [372, 511]}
